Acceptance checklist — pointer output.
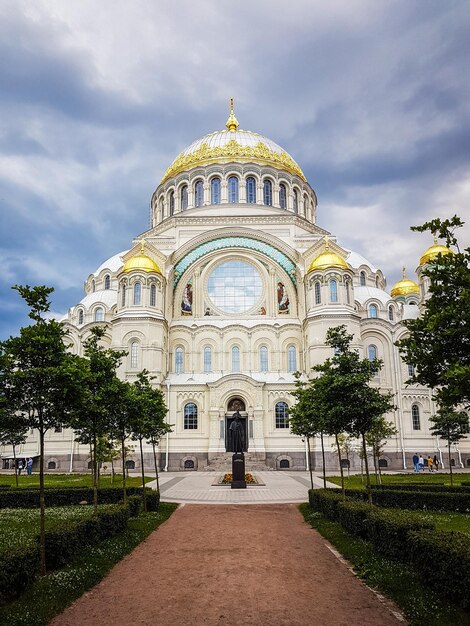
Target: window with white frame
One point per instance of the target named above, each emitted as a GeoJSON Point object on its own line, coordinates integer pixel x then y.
{"type": "Point", "coordinates": [153, 295]}
{"type": "Point", "coordinates": [190, 416]}
{"type": "Point", "coordinates": [251, 190]}
{"type": "Point", "coordinates": [390, 313]}
{"type": "Point", "coordinates": [99, 314]}
{"type": "Point", "coordinates": [123, 295]}
{"type": "Point", "coordinates": [317, 293]}
{"type": "Point", "coordinates": [362, 279]}
{"type": "Point", "coordinates": [179, 360]}
{"type": "Point", "coordinates": [199, 193]}
{"type": "Point", "coordinates": [282, 196]}
{"type": "Point", "coordinates": [282, 415]}
{"type": "Point", "coordinates": [411, 370]}
{"type": "Point", "coordinates": [415, 417]}
{"type": "Point", "coordinates": [137, 293]}
{"type": "Point", "coordinates": [172, 203]}
{"type": "Point", "coordinates": [267, 192]}
{"type": "Point", "coordinates": [233, 189]}
{"type": "Point", "coordinates": [184, 197]}
{"type": "Point", "coordinates": [207, 360]}
{"type": "Point", "coordinates": [134, 354]}
{"type": "Point", "coordinates": [291, 359]}
{"type": "Point", "coordinates": [371, 352]}
{"type": "Point", "coordinates": [348, 291]}
{"type": "Point", "coordinates": [235, 359]}
{"type": "Point", "coordinates": [333, 291]}
{"type": "Point", "coordinates": [107, 281]}
{"type": "Point", "coordinates": [296, 201]}
{"type": "Point", "coordinates": [215, 191]}
{"type": "Point", "coordinates": [80, 317]}
{"type": "Point", "coordinates": [373, 311]}
{"type": "Point", "coordinates": [263, 359]}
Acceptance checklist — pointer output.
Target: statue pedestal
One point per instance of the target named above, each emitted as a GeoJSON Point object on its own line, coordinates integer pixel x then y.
{"type": "Point", "coordinates": [238, 471]}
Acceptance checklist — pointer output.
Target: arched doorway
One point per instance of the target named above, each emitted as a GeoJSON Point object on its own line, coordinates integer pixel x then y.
{"type": "Point", "coordinates": [233, 405]}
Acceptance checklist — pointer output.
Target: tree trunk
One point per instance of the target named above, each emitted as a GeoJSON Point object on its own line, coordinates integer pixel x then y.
{"type": "Point", "coordinates": [310, 461]}
{"type": "Point", "coordinates": [366, 463]}
{"type": "Point", "coordinates": [362, 468]}
{"type": "Point", "coordinates": [450, 464]}
{"type": "Point", "coordinates": [42, 505]}
{"type": "Point", "coordinates": [14, 465]}
{"type": "Point", "coordinates": [144, 498]}
{"type": "Point", "coordinates": [112, 471]}
{"type": "Point", "coordinates": [340, 467]}
{"type": "Point", "coordinates": [95, 471]}
{"type": "Point", "coordinates": [156, 467]}
{"type": "Point", "coordinates": [323, 460]}
{"type": "Point", "coordinates": [378, 465]}
{"type": "Point", "coordinates": [123, 456]}
{"type": "Point", "coordinates": [375, 466]}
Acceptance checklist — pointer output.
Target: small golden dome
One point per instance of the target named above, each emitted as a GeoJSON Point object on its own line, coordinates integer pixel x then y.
{"type": "Point", "coordinates": [404, 287]}
{"type": "Point", "coordinates": [432, 252]}
{"type": "Point", "coordinates": [328, 259]}
{"type": "Point", "coordinates": [141, 262]}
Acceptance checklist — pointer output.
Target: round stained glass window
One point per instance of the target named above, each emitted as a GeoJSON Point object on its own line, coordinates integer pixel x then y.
{"type": "Point", "coordinates": [234, 287]}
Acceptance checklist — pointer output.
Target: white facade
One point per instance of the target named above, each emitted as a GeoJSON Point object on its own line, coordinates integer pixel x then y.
{"type": "Point", "coordinates": [224, 297]}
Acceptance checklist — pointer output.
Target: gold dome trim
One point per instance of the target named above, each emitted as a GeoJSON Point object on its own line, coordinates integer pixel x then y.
{"type": "Point", "coordinates": [260, 153]}
{"type": "Point", "coordinates": [141, 262]}
{"type": "Point", "coordinates": [405, 287]}
{"type": "Point", "coordinates": [328, 259]}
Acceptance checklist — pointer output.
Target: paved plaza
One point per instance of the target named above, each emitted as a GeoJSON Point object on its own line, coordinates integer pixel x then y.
{"type": "Point", "coordinates": [198, 487]}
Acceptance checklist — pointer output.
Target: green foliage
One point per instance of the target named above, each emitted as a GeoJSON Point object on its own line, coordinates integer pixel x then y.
{"type": "Point", "coordinates": [135, 505]}
{"type": "Point", "coordinates": [444, 559]}
{"type": "Point", "coordinates": [29, 498]}
{"type": "Point", "coordinates": [18, 568]}
{"type": "Point", "coordinates": [425, 487]}
{"type": "Point", "coordinates": [428, 500]}
{"type": "Point", "coordinates": [438, 343]}
{"type": "Point", "coordinates": [450, 425]}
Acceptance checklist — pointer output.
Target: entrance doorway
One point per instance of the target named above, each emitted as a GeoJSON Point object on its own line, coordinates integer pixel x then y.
{"type": "Point", "coordinates": [234, 405]}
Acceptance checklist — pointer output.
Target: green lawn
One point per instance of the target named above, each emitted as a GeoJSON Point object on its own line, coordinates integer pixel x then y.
{"type": "Point", "coordinates": [420, 604]}
{"type": "Point", "coordinates": [71, 480]}
{"type": "Point", "coordinates": [51, 594]}
{"type": "Point", "coordinates": [356, 482]}
{"type": "Point", "coordinates": [19, 527]}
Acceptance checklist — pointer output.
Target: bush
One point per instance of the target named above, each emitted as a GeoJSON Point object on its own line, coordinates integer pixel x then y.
{"type": "Point", "coordinates": [325, 501]}
{"type": "Point", "coordinates": [422, 487]}
{"type": "Point", "coordinates": [64, 496]}
{"type": "Point", "coordinates": [465, 483]}
{"type": "Point", "coordinates": [388, 530]}
{"type": "Point", "coordinates": [63, 544]}
{"type": "Point", "coordinates": [152, 499]}
{"type": "Point", "coordinates": [135, 505]}
{"type": "Point", "coordinates": [354, 517]}
{"type": "Point", "coordinates": [18, 568]}
{"type": "Point", "coordinates": [444, 559]}
{"type": "Point", "coordinates": [402, 499]}
{"type": "Point", "coordinates": [5, 487]}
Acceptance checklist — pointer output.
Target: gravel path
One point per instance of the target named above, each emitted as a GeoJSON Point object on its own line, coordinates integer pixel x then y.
{"type": "Point", "coordinates": [234, 565]}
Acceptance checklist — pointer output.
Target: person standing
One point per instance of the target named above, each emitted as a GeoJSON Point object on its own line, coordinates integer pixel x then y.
{"type": "Point", "coordinates": [29, 466]}
{"type": "Point", "coordinates": [20, 467]}
{"type": "Point", "coordinates": [430, 462]}
{"type": "Point", "coordinates": [436, 462]}
{"type": "Point", "coordinates": [420, 463]}
{"type": "Point", "coordinates": [415, 462]}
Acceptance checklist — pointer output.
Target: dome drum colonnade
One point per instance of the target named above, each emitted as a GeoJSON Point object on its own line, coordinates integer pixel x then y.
{"type": "Point", "coordinates": [223, 301]}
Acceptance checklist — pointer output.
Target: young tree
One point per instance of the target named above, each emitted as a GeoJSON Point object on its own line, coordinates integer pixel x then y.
{"type": "Point", "coordinates": [120, 399]}
{"type": "Point", "coordinates": [450, 425]}
{"type": "Point", "coordinates": [438, 342]}
{"type": "Point", "coordinates": [376, 438]}
{"type": "Point", "coordinates": [93, 416]}
{"type": "Point", "coordinates": [346, 445]}
{"type": "Point", "coordinates": [305, 417]}
{"type": "Point", "coordinates": [44, 378]}
{"type": "Point", "coordinates": [347, 399]}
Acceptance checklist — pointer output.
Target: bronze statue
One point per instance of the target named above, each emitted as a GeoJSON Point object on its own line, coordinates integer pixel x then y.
{"type": "Point", "coordinates": [237, 432]}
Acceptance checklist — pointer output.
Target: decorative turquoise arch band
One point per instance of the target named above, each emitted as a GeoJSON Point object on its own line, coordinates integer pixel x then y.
{"type": "Point", "coordinates": [234, 242]}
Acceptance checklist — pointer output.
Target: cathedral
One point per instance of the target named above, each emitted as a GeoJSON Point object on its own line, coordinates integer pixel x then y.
{"type": "Point", "coordinates": [228, 293]}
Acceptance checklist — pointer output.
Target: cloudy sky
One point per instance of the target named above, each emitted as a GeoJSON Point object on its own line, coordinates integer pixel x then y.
{"type": "Point", "coordinates": [370, 97]}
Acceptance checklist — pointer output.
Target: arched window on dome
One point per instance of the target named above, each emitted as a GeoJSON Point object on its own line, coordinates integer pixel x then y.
{"type": "Point", "coordinates": [179, 360]}
{"type": "Point", "coordinates": [371, 352]}
{"type": "Point", "coordinates": [333, 291]}
{"type": "Point", "coordinates": [362, 279]}
{"type": "Point", "coordinates": [263, 359]}
{"type": "Point", "coordinates": [305, 207]}
{"type": "Point", "coordinates": [235, 359]}
{"type": "Point", "coordinates": [377, 282]}
{"type": "Point", "coordinates": [172, 203]}
{"type": "Point", "coordinates": [162, 208]}
{"type": "Point", "coordinates": [390, 313]}
{"type": "Point", "coordinates": [347, 284]}
{"type": "Point", "coordinates": [215, 191]}
{"type": "Point", "coordinates": [296, 201]}
{"type": "Point", "coordinates": [137, 293]}
{"type": "Point", "coordinates": [107, 281]}
{"type": "Point", "coordinates": [251, 190]}
{"type": "Point", "coordinates": [99, 314]}
{"type": "Point", "coordinates": [415, 418]}
{"type": "Point", "coordinates": [207, 360]}
{"type": "Point", "coordinates": [199, 193]}
{"type": "Point", "coordinates": [184, 197]}
{"type": "Point", "coordinates": [373, 311]}
{"type": "Point", "coordinates": [123, 295]}
{"type": "Point", "coordinates": [93, 286]}
{"type": "Point", "coordinates": [153, 295]}
{"type": "Point", "coordinates": [281, 412]}
{"type": "Point", "coordinates": [282, 196]}
{"type": "Point", "coordinates": [317, 293]}
{"type": "Point", "coordinates": [190, 416]}
{"type": "Point", "coordinates": [233, 189]}
{"type": "Point", "coordinates": [80, 317]}
{"type": "Point", "coordinates": [134, 355]}
{"type": "Point", "coordinates": [291, 359]}
{"type": "Point", "coordinates": [267, 192]}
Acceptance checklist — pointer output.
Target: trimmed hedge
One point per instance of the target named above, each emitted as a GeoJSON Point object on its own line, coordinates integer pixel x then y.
{"type": "Point", "coordinates": [422, 487]}
{"type": "Point", "coordinates": [430, 500]}
{"type": "Point", "coordinates": [443, 557]}
{"type": "Point", "coordinates": [18, 568]}
{"type": "Point", "coordinates": [64, 496]}
{"type": "Point", "coordinates": [2, 487]}
{"type": "Point", "coordinates": [63, 544]}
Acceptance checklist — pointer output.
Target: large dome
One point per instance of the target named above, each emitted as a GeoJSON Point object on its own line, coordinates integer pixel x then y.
{"type": "Point", "coordinates": [233, 145]}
